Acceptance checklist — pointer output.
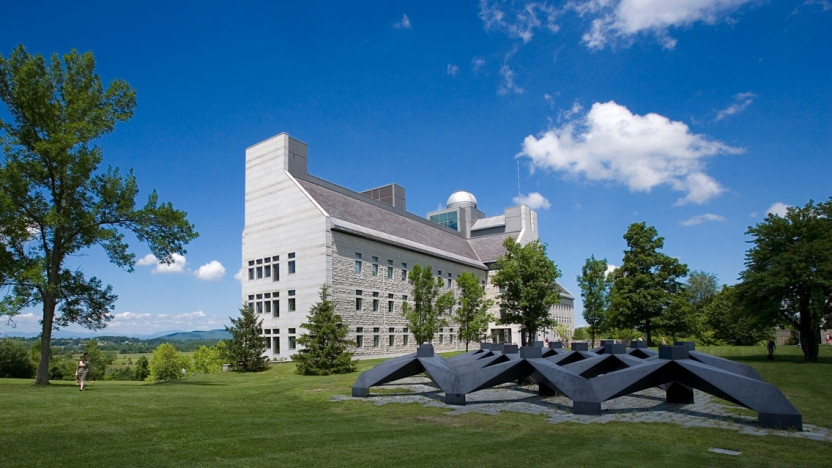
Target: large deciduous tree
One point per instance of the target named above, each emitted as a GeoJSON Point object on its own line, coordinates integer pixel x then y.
{"type": "Point", "coordinates": [527, 277]}
{"type": "Point", "coordinates": [472, 315]}
{"type": "Point", "coordinates": [788, 272]}
{"type": "Point", "coordinates": [729, 321]}
{"type": "Point", "coordinates": [246, 347]}
{"type": "Point", "coordinates": [424, 315]}
{"type": "Point", "coordinates": [595, 288]}
{"type": "Point", "coordinates": [324, 344]}
{"type": "Point", "coordinates": [56, 202]}
{"type": "Point", "coordinates": [646, 284]}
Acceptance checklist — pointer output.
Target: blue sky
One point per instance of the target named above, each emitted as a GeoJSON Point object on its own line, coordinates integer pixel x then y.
{"type": "Point", "coordinates": [695, 116]}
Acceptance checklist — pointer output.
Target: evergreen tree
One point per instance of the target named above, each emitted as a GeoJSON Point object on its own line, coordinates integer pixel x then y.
{"type": "Point", "coordinates": [646, 283]}
{"type": "Point", "coordinates": [246, 347]}
{"type": "Point", "coordinates": [527, 277]}
{"type": "Point", "coordinates": [423, 316]}
{"type": "Point", "coordinates": [595, 288]}
{"type": "Point", "coordinates": [472, 315]}
{"type": "Point", "coordinates": [324, 345]}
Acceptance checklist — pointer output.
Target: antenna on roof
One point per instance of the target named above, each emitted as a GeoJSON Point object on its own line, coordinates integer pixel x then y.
{"type": "Point", "coordinates": [518, 180]}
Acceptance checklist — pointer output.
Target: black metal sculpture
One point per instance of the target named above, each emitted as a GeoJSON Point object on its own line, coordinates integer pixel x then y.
{"type": "Point", "coordinates": [589, 378]}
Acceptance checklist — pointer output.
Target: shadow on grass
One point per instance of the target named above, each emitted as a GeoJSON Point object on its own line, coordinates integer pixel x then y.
{"type": "Point", "coordinates": [192, 382]}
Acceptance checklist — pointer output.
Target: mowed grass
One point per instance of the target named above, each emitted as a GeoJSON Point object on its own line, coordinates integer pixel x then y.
{"type": "Point", "coordinates": [277, 418]}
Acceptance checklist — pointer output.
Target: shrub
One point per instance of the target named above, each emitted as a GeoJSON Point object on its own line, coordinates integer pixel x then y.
{"type": "Point", "coordinates": [166, 364]}
{"type": "Point", "coordinates": [15, 360]}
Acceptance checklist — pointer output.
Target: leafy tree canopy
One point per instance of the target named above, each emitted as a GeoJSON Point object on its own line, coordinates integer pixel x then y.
{"type": "Point", "coordinates": [788, 272]}
{"type": "Point", "coordinates": [324, 345]}
{"type": "Point", "coordinates": [472, 315]}
{"type": "Point", "coordinates": [166, 364]}
{"type": "Point", "coordinates": [527, 277]}
{"type": "Point", "coordinates": [731, 323]}
{"type": "Point", "coordinates": [424, 315]}
{"type": "Point", "coordinates": [646, 284]}
{"type": "Point", "coordinates": [54, 199]}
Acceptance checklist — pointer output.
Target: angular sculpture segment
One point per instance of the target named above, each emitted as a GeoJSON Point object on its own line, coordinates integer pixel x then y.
{"type": "Point", "coordinates": [589, 378]}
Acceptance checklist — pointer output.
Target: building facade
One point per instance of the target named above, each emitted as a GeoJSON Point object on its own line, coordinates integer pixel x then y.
{"type": "Point", "coordinates": [302, 232]}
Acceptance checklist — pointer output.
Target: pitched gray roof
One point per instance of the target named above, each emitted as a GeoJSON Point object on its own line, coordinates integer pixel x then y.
{"type": "Point", "coordinates": [360, 215]}
{"type": "Point", "coordinates": [490, 248]}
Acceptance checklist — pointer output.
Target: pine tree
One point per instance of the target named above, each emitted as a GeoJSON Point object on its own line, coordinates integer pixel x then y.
{"type": "Point", "coordinates": [324, 346]}
{"type": "Point", "coordinates": [246, 346]}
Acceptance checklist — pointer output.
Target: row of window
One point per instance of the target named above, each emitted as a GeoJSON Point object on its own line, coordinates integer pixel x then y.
{"type": "Point", "coordinates": [269, 303]}
{"type": "Point", "coordinates": [272, 340]}
{"type": "Point", "coordinates": [375, 269]}
{"type": "Point", "coordinates": [391, 337]}
{"type": "Point", "coordinates": [359, 300]}
{"type": "Point", "coordinates": [269, 267]}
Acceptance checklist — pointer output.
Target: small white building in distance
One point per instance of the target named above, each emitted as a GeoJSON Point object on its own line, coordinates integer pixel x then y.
{"type": "Point", "coordinates": [302, 232]}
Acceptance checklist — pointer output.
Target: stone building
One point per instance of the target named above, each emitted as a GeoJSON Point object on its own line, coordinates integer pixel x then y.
{"type": "Point", "coordinates": [302, 232]}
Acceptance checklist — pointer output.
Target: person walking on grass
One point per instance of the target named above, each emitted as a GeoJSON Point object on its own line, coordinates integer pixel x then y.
{"type": "Point", "coordinates": [770, 347]}
{"type": "Point", "coordinates": [82, 370]}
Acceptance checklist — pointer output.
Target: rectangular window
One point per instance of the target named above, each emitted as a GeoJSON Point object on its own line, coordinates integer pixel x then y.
{"type": "Point", "coordinates": [267, 295]}
{"type": "Point", "coordinates": [276, 276]}
{"type": "Point", "coordinates": [267, 271]}
{"type": "Point", "coordinates": [259, 272]}
{"type": "Point", "coordinates": [276, 308]}
{"type": "Point", "coordinates": [450, 339]}
{"type": "Point", "coordinates": [404, 297]}
{"type": "Point", "coordinates": [251, 305]}
{"type": "Point", "coordinates": [251, 297]}
{"type": "Point", "coordinates": [251, 273]}
{"type": "Point", "coordinates": [268, 342]}
{"type": "Point", "coordinates": [357, 263]}
{"type": "Point", "coordinates": [389, 272]}
{"type": "Point", "coordinates": [276, 258]}
{"type": "Point", "coordinates": [267, 260]}
{"type": "Point", "coordinates": [391, 341]}
{"type": "Point", "coordinates": [276, 345]}
{"type": "Point", "coordinates": [291, 267]}
{"type": "Point", "coordinates": [404, 340]}
{"type": "Point", "coordinates": [292, 342]}
{"type": "Point", "coordinates": [375, 305]}
{"type": "Point", "coordinates": [259, 296]}
{"type": "Point", "coordinates": [267, 307]}
{"type": "Point", "coordinates": [259, 307]}
{"type": "Point", "coordinates": [375, 266]}
{"type": "Point", "coordinates": [404, 271]}
{"type": "Point", "coordinates": [359, 341]}
{"type": "Point", "coordinates": [291, 255]}
{"type": "Point", "coordinates": [449, 282]}
{"type": "Point", "coordinates": [390, 306]}
{"type": "Point", "coordinates": [359, 302]}
{"type": "Point", "coordinates": [259, 261]}
{"type": "Point", "coordinates": [375, 341]}
{"type": "Point", "coordinates": [441, 339]}
{"type": "Point", "coordinates": [250, 262]}
{"type": "Point", "coordinates": [292, 304]}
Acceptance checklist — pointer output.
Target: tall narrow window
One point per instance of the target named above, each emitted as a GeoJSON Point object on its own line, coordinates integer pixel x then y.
{"type": "Point", "coordinates": [404, 271]}
{"type": "Point", "coordinates": [292, 263]}
{"type": "Point", "coordinates": [358, 299]}
{"type": "Point", "coordinates": [358, 263]}
{"type": "Point", "coordinates": [276, 275]}
{"type": "Point", "coordinates": [375, 266]}
{"type": "Point", "coordinates": [259, 272]}
{"type": "Point", "coordinates": [390, 302]}
{"type": "Point", "coordinates": [375, 302]}
{"type": "Point", "coordinates": [292, 304]}
{"type": "Point", "coordinates": [251, 273]}
{"type": "Point", "coordinates": [389, 269]}
{"type": "Point", "coordinates": [359, 338]}
{"type": "Point", "coordinates": [267, 271]}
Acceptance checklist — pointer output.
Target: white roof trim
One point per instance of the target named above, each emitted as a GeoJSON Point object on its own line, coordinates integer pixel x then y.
{"type": "Point", "coordinates": [486, 223]}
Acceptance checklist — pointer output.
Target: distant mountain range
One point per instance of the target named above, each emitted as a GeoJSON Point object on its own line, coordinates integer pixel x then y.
{"type": "Point", "coordinates": [173, 335]}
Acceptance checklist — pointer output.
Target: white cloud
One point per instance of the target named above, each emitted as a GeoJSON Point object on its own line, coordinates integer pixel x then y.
{"type": "Point", "coordinates": [130, 316]}
{"type": "Point", "coordinates": [778, 209]}
{"type": "Point", "coordinates": [533, 200]}
{"type": "Point", "coordinates": [707, 217]}
{"type": "Point", "coordinates": [239, 275]}
{"type": "Point", "coordinates": [177, 266]}
{"type": "Point", "coordinates": [508, 85]}
{"type": "Point", "coordinates": [610, 143]}
{"type": "Point", "coordinates": [623, 19]}
{"type": "Point", "coordinates": [148, 259]}
{"type": "Point", "coordinates": [190, 315]}
{"type": "Point", "coordinates": [477, 63]}
{"type": "Point", "coordinates": [453, 70]}
{"type": "Point", "coordinates": [549, 100]}
{"type": "Point", "coordinates": [741, 101]}
{"type": "Point", "coordinates": [518, 21]}
{"type": "Point", "coordinates": [403, 24]}
{"type": "Point", "coordinates": [211, 271]}
{"type": "Point", "coordinates": [610, 269]}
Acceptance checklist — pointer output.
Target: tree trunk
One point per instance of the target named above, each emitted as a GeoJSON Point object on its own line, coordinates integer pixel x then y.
{"type": "Point", "coordinates": [647, 332]}
{"type": "Point", "coordinates": [46, 339]}
{"type": "Point", "coordinates": [808, 337]}
{"type": "Point", "coordinates": [592, 336]}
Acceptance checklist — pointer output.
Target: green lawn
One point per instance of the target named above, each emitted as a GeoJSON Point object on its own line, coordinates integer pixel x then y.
{"type": "Point", "coordinates": [277, 418]}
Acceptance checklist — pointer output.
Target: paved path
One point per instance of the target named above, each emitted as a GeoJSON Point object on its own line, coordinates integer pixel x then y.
{"type": "Point", "coordinates": [644, 406]}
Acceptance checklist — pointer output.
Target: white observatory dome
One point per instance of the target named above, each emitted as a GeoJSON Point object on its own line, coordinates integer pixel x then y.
{"type": "Point", "coordinates": [462, 198]}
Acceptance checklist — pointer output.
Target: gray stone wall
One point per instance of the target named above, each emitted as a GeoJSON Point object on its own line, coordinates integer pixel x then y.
{"type": "Point", "coordinates": [345, 282]}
